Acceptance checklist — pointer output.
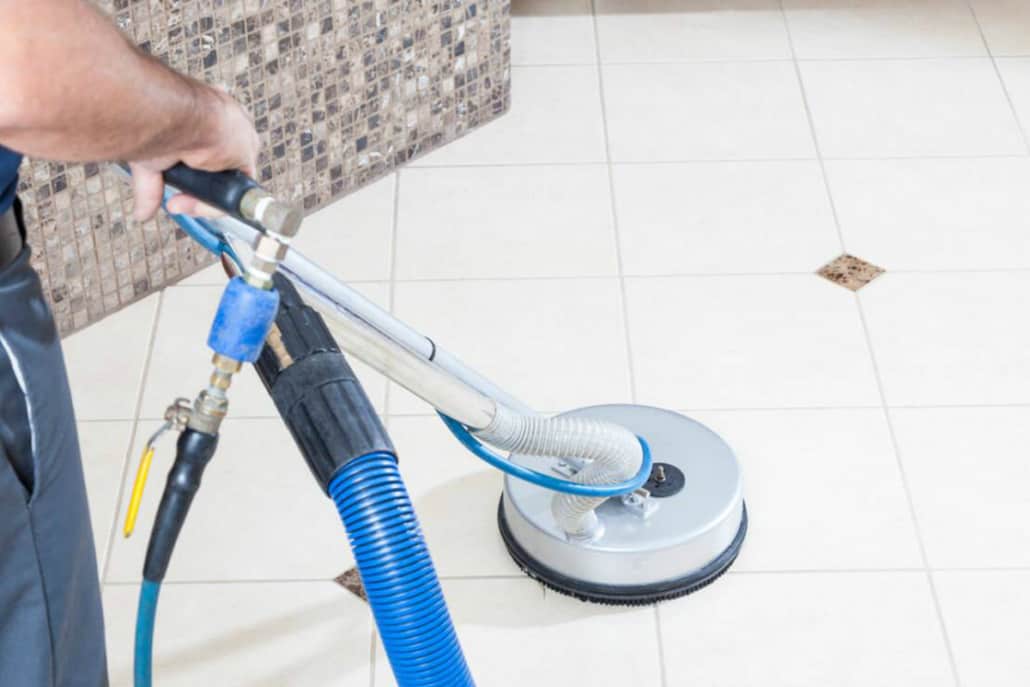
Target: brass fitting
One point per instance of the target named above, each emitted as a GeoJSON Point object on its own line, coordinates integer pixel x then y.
{"type": "Point", "coordinates": [212, 404]}
{"type": "Point", "coordinates": [278, 346]}
{"type": "Point", "coordinates": [226, 365]}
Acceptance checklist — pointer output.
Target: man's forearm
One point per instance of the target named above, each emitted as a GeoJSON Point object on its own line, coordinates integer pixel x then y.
{"type": "Point", "coordinates": [75, 89]}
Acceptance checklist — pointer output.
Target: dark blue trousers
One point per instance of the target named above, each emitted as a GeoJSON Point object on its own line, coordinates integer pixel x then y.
{"type": "Point", "coordinates": [51, 622]}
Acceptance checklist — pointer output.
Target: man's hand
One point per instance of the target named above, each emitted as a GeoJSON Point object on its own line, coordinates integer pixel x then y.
{"type": "Point", "coordinates": [230, 143]}
{"type": "Point", "coordinates": [76, 90]}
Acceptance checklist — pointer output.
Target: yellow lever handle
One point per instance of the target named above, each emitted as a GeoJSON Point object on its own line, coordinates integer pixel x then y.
{"type": "Point", "coordinates": [137, 490]}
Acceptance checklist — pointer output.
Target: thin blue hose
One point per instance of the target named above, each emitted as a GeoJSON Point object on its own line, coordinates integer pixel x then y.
{"type": "Point", "coordinates": [201, 232]}
{"type": "Point", "coordinates": [541, 479]}
{"type": "Point", "coordinates": [398, 574]}
{"type": "Point", "coordinates": [145, 616]}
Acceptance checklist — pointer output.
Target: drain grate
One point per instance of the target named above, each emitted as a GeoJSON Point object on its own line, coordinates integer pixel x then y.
{"type": "Point", "coordinates": [850, 272]}
{"type": "Point", "coordinates": [351, 581]}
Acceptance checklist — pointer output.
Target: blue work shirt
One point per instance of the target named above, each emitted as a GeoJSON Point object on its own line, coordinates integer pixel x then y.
{"type": "Point", "coordinates": [9, 161]}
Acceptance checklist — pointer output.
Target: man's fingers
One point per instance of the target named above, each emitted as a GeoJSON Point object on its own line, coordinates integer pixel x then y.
{"type": "Point", "coordinates": [148, 189]}
{"type": "Point", "coordinates": [182, 204]}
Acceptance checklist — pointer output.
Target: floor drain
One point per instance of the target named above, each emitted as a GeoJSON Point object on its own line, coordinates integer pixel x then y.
{"type": "Point", "coordinates": [850, 272]}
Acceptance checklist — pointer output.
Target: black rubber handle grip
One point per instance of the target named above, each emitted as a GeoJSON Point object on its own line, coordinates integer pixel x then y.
{"type": "Point", "coordinates": [222, 190]}
{"type": "Point", "coordinates": [317, 393]}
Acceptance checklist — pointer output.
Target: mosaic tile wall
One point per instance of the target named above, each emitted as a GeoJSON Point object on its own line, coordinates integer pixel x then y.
{"type": "Point", "coordinates": [342, 92]}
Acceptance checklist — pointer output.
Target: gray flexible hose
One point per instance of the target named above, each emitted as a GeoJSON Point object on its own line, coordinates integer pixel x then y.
{"type": "Point", "coordinates": [612, 454]}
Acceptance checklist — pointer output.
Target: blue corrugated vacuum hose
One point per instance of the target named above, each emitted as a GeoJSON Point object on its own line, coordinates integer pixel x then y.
{"type": "Point", "coordinates": [398, 574]}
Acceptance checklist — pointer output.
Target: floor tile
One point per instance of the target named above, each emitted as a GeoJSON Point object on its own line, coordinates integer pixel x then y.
{"type": "Point", "coordinates": [950, 338]}
{"type": "Point", "coordinates": [1015, 72]}
{"type": "Point", "coordinates": [705, 111]}
{"type": "Point", "coordinates": [680, 30]}
{"type": "Point", "coordinates": [351, 238]}
{"type": "Point", "coordinates": [748, 342]}
{"type": "Point", "coordinates": [723, 217]}
{"type": "Point", "coordinates": [935, 214]}
{"type": "Point", "coordinates": [180, 363]}
{"type": "Point", "coordinates": [910, 108]}
{"type": "Point", "coordinates": [840, 629]}
{"type": "Point", "coordinates": [809, 477]}
{"type": "Point", "coordinates": [259, 516]}
{"type": "Point", "coordinates": [552, 32]}
{"type": "Point", "coordinates": [1005, 24]}
{"type": "Point", "coordinates": [883, 28]}
{"type": "Point", "coordinates": [988, 619]}
{"type": "Point", "coordinates": [556, 344]}
{"type": "Point", "coordinates": [213, 275]}
{"type": "Point", "coordinates": [303, 634]}
{"type": "Point", "coordinates": [495, 618]}
{"type": "Point", "coordinates": [105, 362]}
{"type": "Point", "coordinates": [455, 496]}
{"type": "Point", "coordinates": [555, 116]}
{"type": "Point", "coordinates": [968, 474]}
{"type": "Point", "coordinates": [104, 447]}
{"type": "Point", "coordinates": [498, 222]}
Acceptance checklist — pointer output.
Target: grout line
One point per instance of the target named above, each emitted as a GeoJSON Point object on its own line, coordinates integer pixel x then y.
{"type": "Point", "coordinates": [662, 673]}
{"type": "Point", "coordinates": [701, 275]}
{"type": "Point", "coordinates": [479, 165]}
{"type": "Point", "coordinates": [127, 463]}
{"type": "Point", "coordinates": [713, 161]}
{"type": "Point", "coordinates": [487, 578]}
{"type": "Point", "coordinates": [696, 61]}
{"type": "Point", "coordinates": [229, 418]}
{"type": "Point", "coordinates": [860, 571]}
{"type": "Point", "coordinates": [998, 570]}
{"type": "Point", "coordinates": [827, 571]}
{"type": "Point", "coordinates": [965, 270]}
{"type": "Point", "coordinates": [928, 571]}
{"type": "Point", "coordinates": [777, 409]}
{"type": "Point", "coordinates": [811, 128]}
{"type": "Point", "coordinates": [699, 409]}
{"type": "Point", "coordinates": [392, 287]}
{"type": "Point", "coordinates": [104, 420]}
{"type": "Point", "coordinates": [187, 583]}
{"type": "Point", "coordinates": [948, 406]}
{"type": "Point", "coordinates": [1001, 79]}
{"type": "Point", "coordinates": [620, 268]}
{"type": "Point", "coordinates": [372, 641]}
{"type": "Point", "coordinates": [221, 286]}
{"type": "Point", "coordinates": [988, 569]}
{"type": "Point", "coordinates": [657, 275]}
{"type": "Point", "coordinates": [303, 580]}
{"type": "Point", "coordinates": [872, 356]}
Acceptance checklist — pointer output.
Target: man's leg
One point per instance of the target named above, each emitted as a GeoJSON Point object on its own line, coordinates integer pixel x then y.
{"type": "Point", "coordinates": [51, 623]}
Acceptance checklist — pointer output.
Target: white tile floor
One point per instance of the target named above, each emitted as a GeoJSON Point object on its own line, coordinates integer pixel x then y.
{"type": "Point", "coordinates": [644, 226]}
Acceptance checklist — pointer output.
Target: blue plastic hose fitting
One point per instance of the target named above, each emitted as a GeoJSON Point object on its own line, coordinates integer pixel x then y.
{"type": "Point", "coordinates": [398, 574]}
{"type": "Point", "coordinates": [243, 320]}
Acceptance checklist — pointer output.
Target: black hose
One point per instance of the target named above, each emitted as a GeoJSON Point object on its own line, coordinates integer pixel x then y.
{"type": "Point", "coordinates": [194, 451]}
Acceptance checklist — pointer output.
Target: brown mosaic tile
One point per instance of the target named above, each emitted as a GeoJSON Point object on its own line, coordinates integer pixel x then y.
{"type": "Point", "coordinates": [850, 272]}
{"type": "Point", "coordinates": [342, 92]}
{"type": "Point", "coordinates": [351, 581]}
